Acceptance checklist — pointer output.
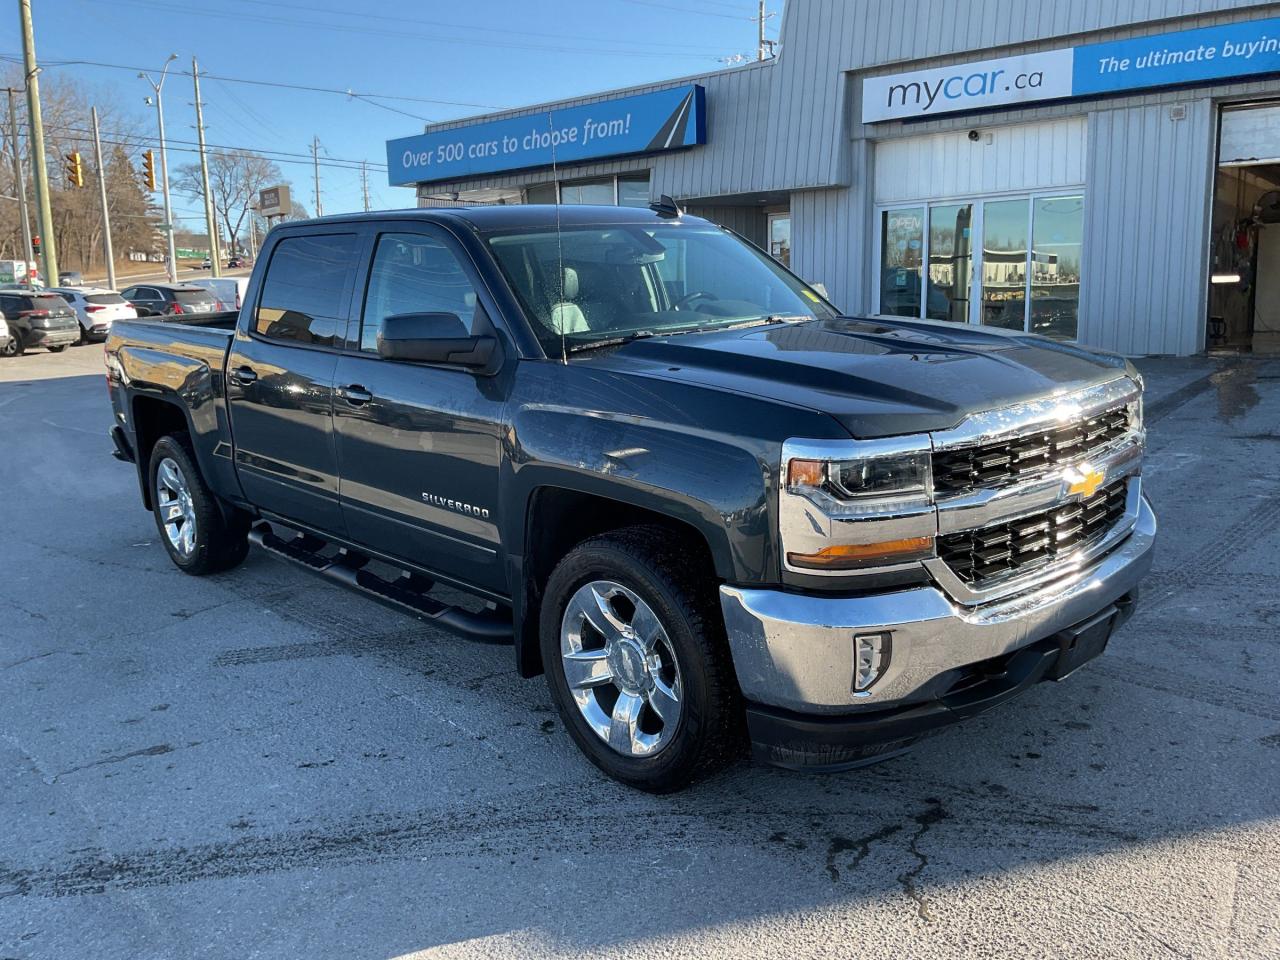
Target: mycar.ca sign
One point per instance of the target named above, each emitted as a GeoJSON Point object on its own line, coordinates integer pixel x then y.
{"type": "Point", "coordinates": [645, 123]}
{"type": "Point", "coordinates": [1167, 59]}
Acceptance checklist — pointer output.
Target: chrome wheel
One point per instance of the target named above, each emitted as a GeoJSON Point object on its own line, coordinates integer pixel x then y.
{"type": "Point", "coordinates": [177, 512]}
{"type": "Point", "coordinates": [621, 668]}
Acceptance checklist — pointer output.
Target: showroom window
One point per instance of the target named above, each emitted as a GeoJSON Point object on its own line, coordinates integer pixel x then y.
{"type": "Point", "coordinates": [626, 190]}
{"type": "Point", "coordinates": [1024, 274]}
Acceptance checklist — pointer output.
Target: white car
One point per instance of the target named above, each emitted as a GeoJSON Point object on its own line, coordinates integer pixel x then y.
{"type": "Point", "coordinates": [230, 291]}
{"type": "Point", "coordinates": [96, 308]}
{"type": "Point", "coordinates": [4, 337]}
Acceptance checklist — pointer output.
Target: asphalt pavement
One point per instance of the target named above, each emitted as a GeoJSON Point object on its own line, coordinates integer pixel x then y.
{"type": "Point", "coordinates": [260, 765]}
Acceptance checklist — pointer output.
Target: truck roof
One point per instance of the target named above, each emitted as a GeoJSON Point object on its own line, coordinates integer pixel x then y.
{"type": "Point", "coordinates": [508, 216]}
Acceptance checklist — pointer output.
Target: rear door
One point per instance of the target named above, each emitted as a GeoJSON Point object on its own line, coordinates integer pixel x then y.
{"type": "Point", "coordinates": [420, 444]}
{"type": "Point", "coordinates": [280, 377]}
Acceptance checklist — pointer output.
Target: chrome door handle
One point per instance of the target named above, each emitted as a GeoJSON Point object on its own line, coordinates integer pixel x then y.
{"type": "Point", "coordinates": [243, 375]}
{"type": "Point", "coordinates": [355, 395]}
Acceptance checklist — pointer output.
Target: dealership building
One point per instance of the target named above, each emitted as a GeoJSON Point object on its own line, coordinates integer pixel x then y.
{"type": "Point", "coordinates": [1107, 173]}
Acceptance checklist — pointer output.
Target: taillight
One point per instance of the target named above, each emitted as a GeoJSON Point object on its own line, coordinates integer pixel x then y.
{"type": "Point", "coordinates": [93, 309]}
{"type": "Point", "coordinates": [177, 307]}
{"type": "Point", "coordinates": [33, 313]}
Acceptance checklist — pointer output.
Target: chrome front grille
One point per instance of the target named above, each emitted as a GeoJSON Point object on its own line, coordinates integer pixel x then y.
{"type": "Point", "coordinates": [1004, 462]}
{"type": "Point", "coordinates": [986, 555]}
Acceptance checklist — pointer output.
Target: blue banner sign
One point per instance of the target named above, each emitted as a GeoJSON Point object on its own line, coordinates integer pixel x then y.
{"type": "Point", "coordinates": [1235, 50]}
{"type": "Point", "coordinates": [645, 123]}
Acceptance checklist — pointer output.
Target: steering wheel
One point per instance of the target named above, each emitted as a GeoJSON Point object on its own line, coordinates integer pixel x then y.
{"type": "Point", "coordinates": [688, 298]}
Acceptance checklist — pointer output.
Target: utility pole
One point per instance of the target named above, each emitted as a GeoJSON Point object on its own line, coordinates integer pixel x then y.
{"type": "Point", "coordinates": [765, 48]}
{"type": "Point", "coordinates": [211, 221]}
{"type": "Point", "coordinates": [164, 166]}
{"type": "Point", "coordinates": [364, 183]}
{"type": "Point", "coordinates": [39, 169]}
{"type": "Point", "coordinates": [27, 255]}
{"type": "Point", "coordinates": [106, 214]}
{"type": "Point", "coordinates": [253, 233]}
{"type": "Point", "coordinates": [315, 160]}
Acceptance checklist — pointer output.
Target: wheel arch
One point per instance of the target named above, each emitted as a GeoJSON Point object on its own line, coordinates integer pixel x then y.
{"type": "Point", "coordinates": [564, 517]}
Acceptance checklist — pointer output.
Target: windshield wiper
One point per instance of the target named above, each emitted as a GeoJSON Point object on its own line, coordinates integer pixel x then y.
{"type": "Point", "coordinates": [615, 341]}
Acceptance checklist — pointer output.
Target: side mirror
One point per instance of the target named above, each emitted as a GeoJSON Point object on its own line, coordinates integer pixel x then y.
{"type": "Point", "coordinates": [433, 338]}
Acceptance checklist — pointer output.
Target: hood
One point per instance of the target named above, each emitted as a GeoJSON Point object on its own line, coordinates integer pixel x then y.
{"type": "Point", "coordinates": [877, 378]}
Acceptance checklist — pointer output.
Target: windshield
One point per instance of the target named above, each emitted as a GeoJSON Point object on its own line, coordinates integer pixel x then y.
{"type": "Point", "coordinates": [585, 286]}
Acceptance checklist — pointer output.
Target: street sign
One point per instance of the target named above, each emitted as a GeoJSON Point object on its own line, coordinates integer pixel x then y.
{"type": "Point", "coordinates": [275, 201]}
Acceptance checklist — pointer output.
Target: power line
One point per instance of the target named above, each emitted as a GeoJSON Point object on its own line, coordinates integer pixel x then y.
{"type": "Point", "coordinates": [362, 15]}
{"type": "Point", "coordinates": [130, 139]}
{"type": "Point", "coordinates": [427, 38]}
{"type": "Point", "coordinates": [351, 94]}
{"type": "Point", "coordinates": [670, 6]}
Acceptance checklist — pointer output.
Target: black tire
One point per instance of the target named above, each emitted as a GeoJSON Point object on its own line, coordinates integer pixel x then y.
{"type": "Point", "coordinates": [15, 347]}
{"type": "Point", "coordinates": [650, 562]}
{"type": "Point", "coordinates": [84, 337]}
{"type": "Point", "coordinates": [56, 347]}
{"type": "Point", "coordinates": [219, 543]}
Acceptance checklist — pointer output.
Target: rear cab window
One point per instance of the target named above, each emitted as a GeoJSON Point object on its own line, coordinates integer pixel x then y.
{"type": "Point", "coordinates": [307, 288]}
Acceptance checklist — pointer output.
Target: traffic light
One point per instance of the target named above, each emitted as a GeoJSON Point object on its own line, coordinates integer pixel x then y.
{"type": "Point", "coordinates": [35, 246]}
{"type": "Point", "coordinates": [75, 171]}
{"type": "Point", "coordinates": [149, 170]}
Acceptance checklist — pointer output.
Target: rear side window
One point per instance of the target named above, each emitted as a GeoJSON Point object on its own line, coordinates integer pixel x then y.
{"type": "Point", "coordinates": [103, 298]}
{"type": "Point", "coordinates": [308, 282]}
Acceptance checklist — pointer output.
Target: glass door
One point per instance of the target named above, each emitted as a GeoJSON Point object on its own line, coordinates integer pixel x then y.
{"type": "Point", "coordinates": [950, 262]}
{"type": "Point", "coordinates": [1005, 227]}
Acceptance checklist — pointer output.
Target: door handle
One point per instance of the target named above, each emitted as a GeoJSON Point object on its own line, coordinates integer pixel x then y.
{"type": "Point", "coordinates": [355, 395]}
{"type": "Point", "coordinates": [243, 375]}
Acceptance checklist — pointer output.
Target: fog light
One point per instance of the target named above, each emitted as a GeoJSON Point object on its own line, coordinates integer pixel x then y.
{"type": "Point", "coordinates": [871, 657]}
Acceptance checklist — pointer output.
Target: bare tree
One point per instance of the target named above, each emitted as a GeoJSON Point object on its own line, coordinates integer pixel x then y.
{"type": "Point", "coordinates": [235, 177]}
{"type": "Point", "coordinates": [77, 213]}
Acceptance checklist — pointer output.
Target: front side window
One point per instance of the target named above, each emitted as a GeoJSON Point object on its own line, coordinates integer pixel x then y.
{"type": "Point", "coordinates": [308, 282]}
{"type": "Point", "coordinates": [583, 286]}
{"type": "Point", "coordinates": [413, 273]}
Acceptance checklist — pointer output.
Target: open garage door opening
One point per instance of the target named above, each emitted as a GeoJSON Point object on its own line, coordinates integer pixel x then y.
{"type": "Point", "coordinates": [1244, 291]}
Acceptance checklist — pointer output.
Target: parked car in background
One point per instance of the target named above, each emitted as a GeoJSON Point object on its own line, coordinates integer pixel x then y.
{"type": "Point", "coordinates": [38, 320]}
{"type": "Point", "coordinates": [168, 299]}
{"type": "Point", "coordinates": [229, 290]}
{"type": "Point", "coordinates": [234, 262]}
{"type": "Point", "coordinates": [206, 264]}
{"type": "Point", "coordinates": [70, 278]}
{"type": "Point", "coordinates": [4, 336]}
{"type": "Point", "coordinates": [96, 308]}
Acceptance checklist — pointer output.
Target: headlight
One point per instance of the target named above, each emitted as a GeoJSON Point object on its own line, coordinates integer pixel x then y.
{"type": "Point", "coordinates": [851, 505]}
{"type": "Point", "coordinates": [892, 478]}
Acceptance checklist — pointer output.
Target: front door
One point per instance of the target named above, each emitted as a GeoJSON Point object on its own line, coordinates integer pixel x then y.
{"type": "Point", "coordinates": [280, 378]}
{"type": "Point", "coordinates": [419, 445]}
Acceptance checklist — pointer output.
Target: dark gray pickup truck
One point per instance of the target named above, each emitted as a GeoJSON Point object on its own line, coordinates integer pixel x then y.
{"type": "Point", "coordinates": [709, 508]}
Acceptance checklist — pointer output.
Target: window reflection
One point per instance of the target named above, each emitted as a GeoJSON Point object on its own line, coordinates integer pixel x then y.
{"type": "Point", "coordinates": [950, 262]}
{"type": "Point", "coordinates": [901, 260]}
{"type": "Point", "coordinates": [1057, 233]}
{"type": "Point", "coordinates": [1004, 264]}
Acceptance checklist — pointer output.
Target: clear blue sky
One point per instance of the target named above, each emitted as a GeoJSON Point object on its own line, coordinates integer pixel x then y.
{"type": "Point", "coordinates": [496, 53]}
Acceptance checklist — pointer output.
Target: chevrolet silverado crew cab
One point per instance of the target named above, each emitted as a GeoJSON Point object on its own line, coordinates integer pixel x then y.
{"type": "Point", "coordinates": [709, 508]}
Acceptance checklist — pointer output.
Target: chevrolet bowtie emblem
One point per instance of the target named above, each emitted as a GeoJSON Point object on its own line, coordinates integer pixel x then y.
{"type": "Point", "coordinates": [1084, 479]}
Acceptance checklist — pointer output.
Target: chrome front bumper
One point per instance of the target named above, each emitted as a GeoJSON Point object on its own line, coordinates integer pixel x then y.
{"type": "Point", "coordinates": [796, 651]}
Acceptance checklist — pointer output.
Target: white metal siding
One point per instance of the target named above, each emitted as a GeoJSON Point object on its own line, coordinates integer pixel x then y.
{"type": "Point", "coordinates": [1146, 225]}
{"type": "Point", "coordinates": [1025, 157]}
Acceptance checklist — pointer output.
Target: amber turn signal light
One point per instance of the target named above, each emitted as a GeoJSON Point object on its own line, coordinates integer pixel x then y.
{"type": "Point", "coordinates": [852, 556]}
{"type": "Point", "coordinates": [806, 473]}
